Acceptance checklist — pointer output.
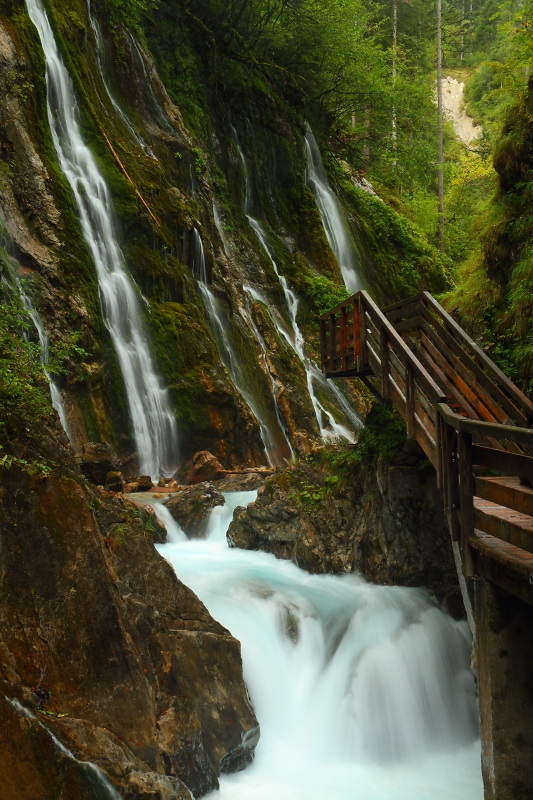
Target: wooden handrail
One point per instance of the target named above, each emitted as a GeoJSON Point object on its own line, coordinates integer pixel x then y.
{"type": "Point", "coordinates": [464, 412]}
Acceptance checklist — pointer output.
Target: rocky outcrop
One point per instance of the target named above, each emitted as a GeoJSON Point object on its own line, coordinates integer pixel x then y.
{"type": "Point", "coordinates": [191, 508]}
{"type": "Point", "coordinates": [387, 523]}
{"type": "Point", "coordinates": [97, 460]}
{"type": "Point", "coordinates": [203, 466]}
{"type": "Point", "coordinates": [105, 648]}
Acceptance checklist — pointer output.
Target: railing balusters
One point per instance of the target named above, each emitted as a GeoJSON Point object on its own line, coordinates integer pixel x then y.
{"type": "Point", "coordinates": [344, 315]}
{"type": "Point", "coordinates": [385, 367]}
{"type": "Point", "coordinates": [332, 341]}
{"type": "Point", "coordinates": [466, 489]}
{"type": "Point", "coordinates": [410, 402]}
{"type": "Point", "coordinates": [356, 336]}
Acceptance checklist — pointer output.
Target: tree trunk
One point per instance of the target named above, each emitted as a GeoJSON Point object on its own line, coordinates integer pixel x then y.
{"type": "Point", "coordinates": [439, 104]}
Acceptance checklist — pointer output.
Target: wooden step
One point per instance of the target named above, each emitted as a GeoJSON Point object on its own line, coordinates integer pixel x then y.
{"type": "Point", "coordinates": [504, 523]}
{"type": "Point", "coordinates": [506, 491]}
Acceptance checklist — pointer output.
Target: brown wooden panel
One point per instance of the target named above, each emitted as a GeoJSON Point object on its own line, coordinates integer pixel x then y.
{"type": "Point", "coordinates": [506, 492]}
{"type": "Point", "coordinates": [507, 554]}
{"type": "Point", "coordinates": [501, 571]}
{"type": "Point", "coordinates": [508, 463]}
{"type": "Point", "coordinates": [504, 523]}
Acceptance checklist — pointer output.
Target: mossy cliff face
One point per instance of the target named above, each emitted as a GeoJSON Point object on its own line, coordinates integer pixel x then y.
{"type": "Point", "coordinates": [106, 650]}
{"type": "Point", "coordinates": [173, 143]}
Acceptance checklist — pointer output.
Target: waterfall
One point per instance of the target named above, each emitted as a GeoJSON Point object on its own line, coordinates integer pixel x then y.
{"type": "Point", "coordinates": [96, 779]}
{"type": "Point", "coordinates": [296, 341]}
{"type": "Point", "coordinates": [17, 286]}
{"type": "Point", "coordinates": [219, 326]}
{"type": "Point", "coordinates": [100, 54]}
{"type": "Point", "coordinates": [154, 426]}
{"type": "Point", "coordinates": [361, 691]}
{"type": "Point", "coordinates": [332, 220]}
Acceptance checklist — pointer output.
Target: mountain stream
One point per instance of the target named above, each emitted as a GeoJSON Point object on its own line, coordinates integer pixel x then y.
{"type": "Point", "coordinates": [362, 692]}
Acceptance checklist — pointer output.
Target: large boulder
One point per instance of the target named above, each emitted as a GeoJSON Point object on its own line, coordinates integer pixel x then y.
{"type": "Point", "coordinates": [191, 508]}
{"type": "Point", "coordinates": [97, 459]}
{"type": "Point", "coordinates": [203, 466]}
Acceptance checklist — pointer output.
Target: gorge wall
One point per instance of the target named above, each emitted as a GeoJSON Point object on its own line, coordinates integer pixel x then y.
{"type": "Point", "coordinates": [185, 185]}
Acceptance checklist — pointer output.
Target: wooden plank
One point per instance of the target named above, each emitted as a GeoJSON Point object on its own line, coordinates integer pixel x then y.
{"type": "Point", "coordinates": [504, 523]}
{"type": "Point", "coordinates": [508, 463]}
{"type": "Point", "coordinates": [472, 366]}
{"type": "Point", "coordinates": [503, 564]}
{"type": "Point", "coordinates": [402, 303]}
{"type": "Point", "coordinates": [513, 392]}
{"type": "Point", "coordinates": [356, 335]}
{"type": "Point", "coordinates": [506, 492]}
{"type": "Point", "coordinates": [385, 367]}
{"type": "Point", "coordinates": [466, 494]}
{"type": "Point", "coordinates": [332, 338]}
{"type": "Point", "coordinates": [453, 501]}
{"type": "Point", "coordinates": [444, 381]}
{"type": "Point", "coordinates": [459, 367]}
{"type": "Point", "coordinates": [454, 376]}
{"type": "Point", "coordinates": [407, 324]}
{"type": "Point", "coordinates": [410, 402]}
{"type": "Point", "coordinates": [408, 310]}
{"type": "Point", "coordinates": [505, 433]}
{"type": "Point", "coordinates": [362, 330]}
{"type": "Point", "coordinates": [348, 303]}
{"type": "Point", "coordinates": [402, 350]}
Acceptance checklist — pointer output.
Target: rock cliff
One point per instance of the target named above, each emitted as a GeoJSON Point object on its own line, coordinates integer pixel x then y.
{"type": "Point", "coordinates": [383, 519]}
{"type": "Point", "coordinates": [102, 647]}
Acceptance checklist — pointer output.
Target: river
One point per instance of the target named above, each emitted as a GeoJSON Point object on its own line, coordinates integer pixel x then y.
{"type": "Point", "coordinates": [363, 692]}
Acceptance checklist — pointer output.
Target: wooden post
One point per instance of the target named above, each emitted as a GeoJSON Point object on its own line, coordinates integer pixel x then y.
{"type": "Point", "coordinates": [362, 331]}
{"type": "Point", "coordinates": [384, 355]}
{"type": "Point", "coordinates": [466, 489]}
{"type": "Point", "coordinates": [410, 402]}
{"type": "Point", "coordinates": [452, 481]}
{"type": "Point", "coordinates": [332, 342]}
{"type": "Point", "coordinates": [356, 336]}
{"type": "Point", "coordinates": [323, 350]}
{"type": "Point", "coordinates": [343, 337]}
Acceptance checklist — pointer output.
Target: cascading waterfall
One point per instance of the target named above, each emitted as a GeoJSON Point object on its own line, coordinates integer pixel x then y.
{"type": "Point", "coordinates": [154, 426]}
{"type": "Point", "coordinates": [296, 341]}
{"type": "Point", "coordinates": [218, 324]}
{"type": "Point", "coordinates": [100, 54]}
{"type": "Point", "coordinates": [362, 692]}
{"type": "Point", "coordinates": [18, 286]}
{"type": "Point", "coordinates": [332, 220]}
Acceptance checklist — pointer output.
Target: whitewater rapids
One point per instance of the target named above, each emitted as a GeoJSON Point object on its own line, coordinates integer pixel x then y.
{"type": "Point", "coordinates": [363, 692]}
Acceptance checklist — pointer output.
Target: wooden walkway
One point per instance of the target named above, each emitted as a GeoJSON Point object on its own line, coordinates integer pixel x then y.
{"type": "Point", "coordinates": [472, 422]}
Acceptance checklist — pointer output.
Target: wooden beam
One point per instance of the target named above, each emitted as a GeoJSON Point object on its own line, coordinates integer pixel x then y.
{"type": "Point", "coordinates": [506, 492]}
{"type": "Point", "coordinates": [466, 493]}
{"type": "Point", "coordinates": [508, 463]}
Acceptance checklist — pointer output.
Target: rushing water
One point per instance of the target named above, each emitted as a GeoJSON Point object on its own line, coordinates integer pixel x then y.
{"type": "Point", "coordinates": [100, 55]}
{"type": "Point", "coordinates": [362, 692]}
{"type": "Point", "coordinates": [18, 286]}
{"type": "Point", "coordinates": [330, 212]}
{"type": "Point", "coordinates": [275, 442]}
{"type": "Point", "coordinates": [154, 426]}
{"type": "Point", "coordinates": [296, 340]}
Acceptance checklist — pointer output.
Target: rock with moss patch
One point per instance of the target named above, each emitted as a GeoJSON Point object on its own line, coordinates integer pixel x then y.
{"type": "Point", "coordinates": [191, 508]}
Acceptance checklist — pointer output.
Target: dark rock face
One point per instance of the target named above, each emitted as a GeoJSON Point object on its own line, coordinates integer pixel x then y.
{"type": "Point", "coordinates": [389, 525]}
{"type": "Point", "coordinates": [191, 508]}
{"type": "Point", "coordinates": [95, 626]}
{"type": "Point", "coordinates": [97, 460]}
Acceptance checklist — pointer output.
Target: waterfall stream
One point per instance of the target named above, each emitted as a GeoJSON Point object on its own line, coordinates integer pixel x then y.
{"type": "Point", "coordinates": [332, 220]}
{"type": "Point", "coordinates": [154, 426]}
{"type": "Point", "coordinates": [296, 340]}
{"type": "Point", "coordinates": [17, 286]}
{"type": "Point", "coordinates": [362, 692]}
{"type": "Point", "coordinates": [274, 442]}
{"type": "Point", "coordinates": [100, 53]}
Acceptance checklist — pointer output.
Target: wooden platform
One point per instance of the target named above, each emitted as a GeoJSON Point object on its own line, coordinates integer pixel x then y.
{"type": "Point", "coordinates": [473, 423]}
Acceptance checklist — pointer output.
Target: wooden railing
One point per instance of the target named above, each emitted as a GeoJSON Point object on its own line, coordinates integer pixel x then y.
{"type": "Point", "coordinates": [472, 422]}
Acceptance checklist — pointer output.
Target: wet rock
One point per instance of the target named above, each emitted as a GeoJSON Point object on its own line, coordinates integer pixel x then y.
{"type": "Point", "coordinates": [241, 482]}
{"type": "Point", "coordinates": [388, 524]}
{"type": "Point", "coordinates": [202, 467]}
{"type": "Point", "coordinates": [144, 483]}
{"type": "Point", "coordinates": [191, 508]}
{"type": "Point", "coordinates": [95, 626]}
{"type": "Point", "coordinates": [97, 460]}
{"type": "Point", "coordinates": [114, 482]}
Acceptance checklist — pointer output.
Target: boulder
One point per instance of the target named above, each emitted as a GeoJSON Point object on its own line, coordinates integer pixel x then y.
{"type": "Point", "coordinates": [191, 508]}
{"type": "Point", "coordinates": [97, 460]}
{"type": "Point", "coordinates": [114, 482]}
{"type": "Point", "coordinates": [242, 482]}
{"type": "Point", "coordinates": [144, 483]}
{"type": "Point", "coordinates": [202, 467]}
